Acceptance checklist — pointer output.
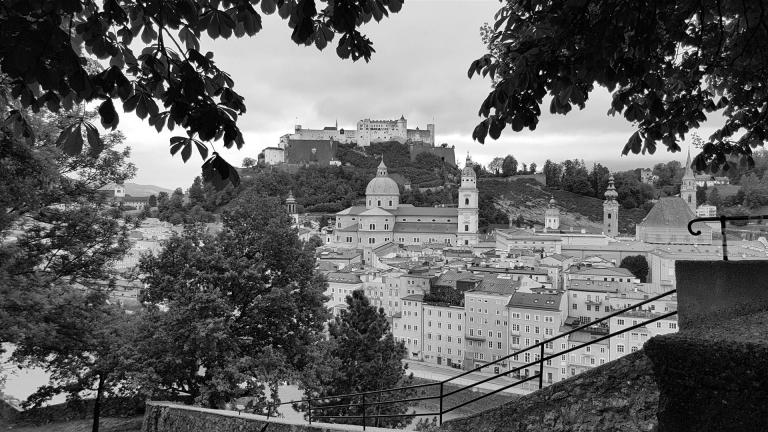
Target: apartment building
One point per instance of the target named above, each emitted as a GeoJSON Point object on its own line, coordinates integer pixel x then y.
{"type": "Point", "coordinates": [408, 325]}
{"type": "Point", "coordinates": [533, 318]}
{"type": "Point", "coordinates": [486, 331]}
{"type": "Point", "coordinates": [340, 285]}
{"type": "Point", "coordinates": [633, 340]}
{"type": "Point", "coordinates": [443, 335]}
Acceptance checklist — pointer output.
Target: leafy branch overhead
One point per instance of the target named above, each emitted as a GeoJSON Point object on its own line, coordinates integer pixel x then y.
{"type": "Point", "coordinates": [668, 64]}
{"type": "Point", "coordinates": [47, 51]}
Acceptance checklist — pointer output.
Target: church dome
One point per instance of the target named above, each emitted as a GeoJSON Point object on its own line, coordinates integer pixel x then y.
{"type": "Point", "coordinates": [382, 184]}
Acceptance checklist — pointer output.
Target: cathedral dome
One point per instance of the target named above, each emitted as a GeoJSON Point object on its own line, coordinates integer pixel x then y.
{"type": "Point", "coordinates": [382, 184]}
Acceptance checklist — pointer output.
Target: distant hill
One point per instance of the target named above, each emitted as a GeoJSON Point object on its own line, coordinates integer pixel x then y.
{"type": "Point", "coordinates": [139, 190]}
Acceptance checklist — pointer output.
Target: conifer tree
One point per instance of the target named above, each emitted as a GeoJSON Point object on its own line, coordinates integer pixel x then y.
{"type": "Point", "coordinates": [362, 355]}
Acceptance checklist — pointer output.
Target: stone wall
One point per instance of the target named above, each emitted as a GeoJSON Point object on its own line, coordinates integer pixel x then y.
{"type": "Point", "coordinates": [713, 376]}
{"type": "Point", "coordinates": [709, 291]}
{"type": "Point", "coordinates": [169, 417]}
{"type": "Point", "coordinates": [619, 396]}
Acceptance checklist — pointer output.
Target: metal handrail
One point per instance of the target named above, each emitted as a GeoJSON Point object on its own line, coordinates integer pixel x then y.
{"type": "Point", "coordinates": [722, 220]}
{"type": "Point", "coordinates": [442, 395]}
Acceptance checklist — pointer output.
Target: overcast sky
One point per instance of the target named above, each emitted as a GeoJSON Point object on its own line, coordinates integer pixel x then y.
{"type": "Point", "coordinates": [419, 70]}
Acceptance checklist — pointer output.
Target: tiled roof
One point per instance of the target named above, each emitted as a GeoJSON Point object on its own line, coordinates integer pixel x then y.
{"type": "Point", "coordinates": [519, 234]}
{"type": "Point", "coordinates": [669, 212]}
{"type": "Point", "coordinates": [602, 271]}
{"type": "Point", "coordinates": [425, 227]}
{"type": "Point", "coordinates": [498, 285]}
{"type": "Point", "coordinates": [353, 211]}
{"type": "Point", "coordinates": [427, 211]}
{"type": "Point", "coordinates": [507, 270]}
{"type": "Point", "coordinates": [535, 301]}
{"type": "Point", "coordinates": [376, 211]}
{"type": "Point", "coordinates": [343, 277]}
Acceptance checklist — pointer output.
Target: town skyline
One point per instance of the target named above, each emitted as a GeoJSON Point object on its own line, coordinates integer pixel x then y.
{"type": "Point", "coordinates": [416, 73]}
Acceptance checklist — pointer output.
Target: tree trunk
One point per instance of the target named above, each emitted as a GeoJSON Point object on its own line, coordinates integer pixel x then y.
{"type": "Point", "coordinates": [97, 405]}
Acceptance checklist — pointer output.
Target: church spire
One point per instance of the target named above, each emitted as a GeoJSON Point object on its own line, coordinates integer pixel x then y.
{"type": "Point", "coordinates": [688, 169]}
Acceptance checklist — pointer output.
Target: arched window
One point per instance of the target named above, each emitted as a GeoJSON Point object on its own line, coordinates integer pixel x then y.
{"type": "Point", "coordinates": [379, 203]}
{"type": "Point", "coordinates": [466, 201]}
{"type": "Point", "coordinates": [390, 203]}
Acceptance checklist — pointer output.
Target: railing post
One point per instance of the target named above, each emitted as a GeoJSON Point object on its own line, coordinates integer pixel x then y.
{"type": "Point", "coordinates": [363, 411]}
{"type": "Point", "coordinates": [441, 403]}
{"type": "Point", "coordinates": [309, 408]}
{"type": "Point", "coordinates": [725, 241]}
{"type": "Point", "coordinates": [541, 368]}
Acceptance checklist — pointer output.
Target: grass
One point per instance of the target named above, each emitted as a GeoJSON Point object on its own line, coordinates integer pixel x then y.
{"type": "Point", "coordinates": [108, 424]}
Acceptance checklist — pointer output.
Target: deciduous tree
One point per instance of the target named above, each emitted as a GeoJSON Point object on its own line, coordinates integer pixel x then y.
{"type": "Point", "coordinates": [153, 63]}
{"type": "Point", "coordinates": [667, 63]}
{"type": "Point", "coordinates": [229, 312]}
{"type": "Point", "coordinates": [638, 265]}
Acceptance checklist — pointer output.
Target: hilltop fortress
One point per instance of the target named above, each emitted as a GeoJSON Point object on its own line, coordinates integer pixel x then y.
{"type": "Point", "coordinates": [318, 146]}
{"type": "Point", "coordinates": [368, 131]}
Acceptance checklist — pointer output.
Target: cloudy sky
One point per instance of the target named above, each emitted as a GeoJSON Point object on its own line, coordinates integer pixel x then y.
{"type": "Point", "coordinates": [419, 70]}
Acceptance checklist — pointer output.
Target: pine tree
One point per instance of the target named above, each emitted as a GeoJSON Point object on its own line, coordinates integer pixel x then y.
{"type": "Point", "coordinates": [361, 355]}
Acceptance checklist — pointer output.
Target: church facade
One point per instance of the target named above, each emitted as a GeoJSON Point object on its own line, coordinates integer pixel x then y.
{"type": "Point", "coordinates": [384, 219]}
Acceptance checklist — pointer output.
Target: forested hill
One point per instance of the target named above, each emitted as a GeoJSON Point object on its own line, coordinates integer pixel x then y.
{"type": "Point", "coordinates": [525, 201]}
{"type": "Point", "coordinates": [327, 189]}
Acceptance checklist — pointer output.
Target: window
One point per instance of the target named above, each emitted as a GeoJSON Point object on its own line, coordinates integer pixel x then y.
{"type": "Point", "coordinates": [527, 329]}
{"type": "Point", "coordinates": [466, 227]}
{"type": "Point", "coordinates": [498, 335]}
{"type": "Point", "coordinates": [672, 325]}
{"type": "Point", "coordinates": [620, 322]}
{"type": "Point", "coordinates": [466, 201]}
{"type": "Point", "coordinates": [372, 227]}
{"type": "Point", "coordinates": [527, 317]}
{"type": "Point", "coordinates": [498, 345]}
{"type": "Point", "coordinates": [490, 344]}
{"type": "Point", "coordinates": [574, 307]}
{"type": "Point", "coordinates": [620, 348]}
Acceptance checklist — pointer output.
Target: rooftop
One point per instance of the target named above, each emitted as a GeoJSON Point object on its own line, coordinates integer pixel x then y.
{"type": "Point", "coordinates": [535, 301]}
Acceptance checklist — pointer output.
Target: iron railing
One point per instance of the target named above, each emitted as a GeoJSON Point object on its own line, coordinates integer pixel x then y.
{"type": "Point", "coordinates": [442, 394]}
{"type": "Point", "coordinates": [722, 220]}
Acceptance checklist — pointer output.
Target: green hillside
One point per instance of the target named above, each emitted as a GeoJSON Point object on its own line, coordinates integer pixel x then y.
{"type": "Point", "coordinates": [531, 198]}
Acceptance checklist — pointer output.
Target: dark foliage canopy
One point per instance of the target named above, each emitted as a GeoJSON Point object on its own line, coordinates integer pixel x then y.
{"type": "Point", "coordinates": [149, 60]}
{"type": "Point", "coordinates": [667, 63]}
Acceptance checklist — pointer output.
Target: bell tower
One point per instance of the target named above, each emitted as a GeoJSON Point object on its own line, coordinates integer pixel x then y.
{"type": "Point", "coordinates": [611, 210]}
{"type": "Point", "coordinates": [468, 211]}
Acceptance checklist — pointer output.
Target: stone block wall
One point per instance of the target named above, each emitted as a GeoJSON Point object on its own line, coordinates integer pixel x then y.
{"type": "Point", "coordinates": [170, 417]}
{"type": "Point", "coordinates": [713, 377]}
{"type": "Point", "coordinates": [619, 396]}
{"type": "Point", "coordinates": [710, 291]}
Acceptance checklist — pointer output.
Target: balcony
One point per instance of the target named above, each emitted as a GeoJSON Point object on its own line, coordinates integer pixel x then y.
{"type": "Point", "coordinates": [474, 337]}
